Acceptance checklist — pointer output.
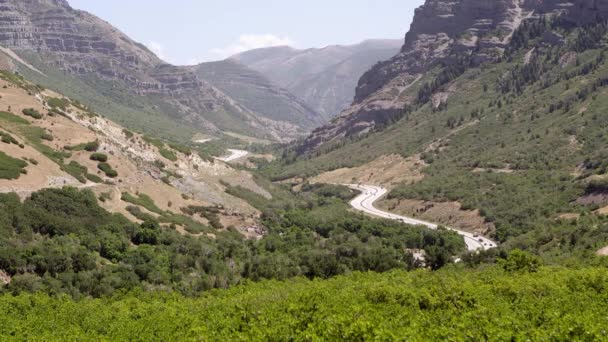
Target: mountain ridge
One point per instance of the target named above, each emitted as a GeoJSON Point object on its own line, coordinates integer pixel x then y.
{"type": "Point", "coordinates": [323, 77]}
{"type": "Point", "coordinates": [451, 34]}
{"type": "Point", "coordinates": [84, 46]}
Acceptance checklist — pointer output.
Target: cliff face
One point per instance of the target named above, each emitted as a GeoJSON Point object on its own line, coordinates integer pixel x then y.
{"type": "Point", "coordinates": [442, 33]}
{"type": "Point", "coordinates": [83, 45]}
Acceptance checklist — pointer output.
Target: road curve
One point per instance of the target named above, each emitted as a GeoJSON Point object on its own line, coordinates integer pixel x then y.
{"type": "Point", "coordinates": [234, 155]}
{"type": "Point", "coordinates": [370, 194]}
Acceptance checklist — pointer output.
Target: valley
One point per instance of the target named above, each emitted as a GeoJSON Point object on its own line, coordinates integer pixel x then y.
{"type": "Point", "coordinates": [449, 185]}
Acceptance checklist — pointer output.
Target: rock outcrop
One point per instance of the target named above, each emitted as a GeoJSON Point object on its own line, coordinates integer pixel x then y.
{"type": "Point", "coordinates": [442, 33]}
{"type": "Point", "coordinates": [82, 44]}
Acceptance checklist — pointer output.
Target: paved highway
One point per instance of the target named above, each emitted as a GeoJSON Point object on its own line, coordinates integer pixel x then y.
{"type": "Point", "coordinates": [234, 155]}
{"type": "Point", "coordinates": [370, 194]}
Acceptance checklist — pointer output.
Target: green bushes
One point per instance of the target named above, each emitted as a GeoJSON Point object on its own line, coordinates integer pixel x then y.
{"type": "Point", "coordinates": [142, 200]}
{"type": "Point", "coordinates": [100, 157]}
{"type": "Point", "coordinates": [55, 102]}
{"type": "Point", "coordinates": [8, 139]}
{"type": "Point", "coordinates": [107, 169]}
{"type": "Point", "coordinates": [181, 148]}
{"type": "Point", "coordinates": [46, 136]}
{"type": "Point", "coordinates": [32, 113]}
{"type": "Point", "coordinates": [12, 118]}
{"type": "Point", "coordinates": [92, 146]}
{"type": "Point", "coordinates": [94, 178]}
{"type": "Point", "coordinates": [449, 305]}
{"type": "Point", "coordinates": [76, 170]}
{"type": "Point", "coordinates": [11, 168]}
{"type": "Point", "coordinates": [168, 154]}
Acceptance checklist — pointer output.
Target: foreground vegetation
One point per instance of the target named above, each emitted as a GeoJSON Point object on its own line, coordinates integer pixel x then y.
{"type": "Point", "coordinates": [453, 304]}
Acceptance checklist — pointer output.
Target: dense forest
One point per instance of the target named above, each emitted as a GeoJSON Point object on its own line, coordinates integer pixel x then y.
{"type": "Point", "coordinates": [60, 241]}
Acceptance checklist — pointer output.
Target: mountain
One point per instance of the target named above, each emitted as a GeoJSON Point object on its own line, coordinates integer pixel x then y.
{"type": "Point", "coordinates": [254, 91]}
{"type": "Point", "coordinates": [87, 58]}
{"type": "Point", "coordinates": [448, 34]}
{"type": "Point", "coordinates": [324, 78]}
{"type": "Point", "coordinates": [491, 119]}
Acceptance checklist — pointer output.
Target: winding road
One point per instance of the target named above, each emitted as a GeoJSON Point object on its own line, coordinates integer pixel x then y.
{"type": "Point", "coordinates": [370, 194]}
{"type": "Point", "coordinates": [234, 155]}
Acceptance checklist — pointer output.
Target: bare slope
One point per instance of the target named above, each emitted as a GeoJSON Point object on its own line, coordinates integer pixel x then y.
{"type": "Point", "coordinates": [60, 145]}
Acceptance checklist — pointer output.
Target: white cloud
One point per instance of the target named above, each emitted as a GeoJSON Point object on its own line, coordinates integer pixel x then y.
{"type": "Point", "coordinates": [244, 43]}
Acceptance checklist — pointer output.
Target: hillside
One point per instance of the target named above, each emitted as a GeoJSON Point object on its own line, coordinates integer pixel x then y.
{"type": "Point", "coordinates": [513, 145]}
{"type": "Point", "coordinates": [86, 58]}
{"type": "Point", "coordinates": [55, 142]}
{"type": "Point", "coordinates": [257, 93]}
{"type": "Point", "coordinates": [324, 78]}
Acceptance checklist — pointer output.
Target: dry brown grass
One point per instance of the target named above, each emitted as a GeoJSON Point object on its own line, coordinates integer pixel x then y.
{"type": "Point", "coordinates": [386, 171]}
{"type": "Point", "coordinates": [446, 213]}
{"type": "Point", "coordinates": [132, 159]}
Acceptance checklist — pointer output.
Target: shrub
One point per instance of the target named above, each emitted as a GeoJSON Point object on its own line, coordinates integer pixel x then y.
{"type": "Point", "coordinates": [100, 157]}
{"type": "Point", "coordinates": [181, 148]}
{"type": "Point", "coordinates": [107, 169]}
{"type": "Point", "coordinates": [94, 178]}
{"type": "Point", "coordinates": [92, 146]}
{"type": "Point", "coordinates": [8, 139]}
{"type": "Point", "coordinates": [520, 261]}
{"type": "Point", "coordinates": [168, 154]}
{"type": "Point", "coordinates": [46, 136]}
{"type": "Point", "coordinates": [32, 113]}
{"type": "Point", "coordinates": [55, 102]}
{"type": "Point", "coordinates": [76, 170]}
{"type": "Point", "coordinates": [10, 168]}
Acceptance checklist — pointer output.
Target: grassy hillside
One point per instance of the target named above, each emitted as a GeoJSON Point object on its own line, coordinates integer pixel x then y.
{"type": "Point", "coordinates": [453, 304]}
{"type": "Point", "coordinates": [520, 140]}
{"type": "Point", "coordinates": [113, 100]}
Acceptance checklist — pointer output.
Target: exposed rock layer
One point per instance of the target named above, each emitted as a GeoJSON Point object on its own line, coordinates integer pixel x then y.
{"type": "Point", "coordinates": [442, 32]}
{"type": "Point", "coordinates": [82, 44]}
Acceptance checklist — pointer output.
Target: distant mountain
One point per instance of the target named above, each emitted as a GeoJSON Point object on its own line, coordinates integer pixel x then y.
{"type": "Point", "coordinates": [86, 58]}
{"type": "Point", "coordinates": [324, 78]}
{"type": "Point", "coordinates": [257, 93]}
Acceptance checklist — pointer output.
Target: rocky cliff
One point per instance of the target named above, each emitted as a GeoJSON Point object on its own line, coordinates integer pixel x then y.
{"type": "Point", "coordinates": [443, 33]}
{"type": "Point", "coordinates": [83, 45]}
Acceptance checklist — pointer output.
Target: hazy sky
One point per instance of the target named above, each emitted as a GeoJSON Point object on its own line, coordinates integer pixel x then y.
{"type": "Point", "coordinates": [190, 31]}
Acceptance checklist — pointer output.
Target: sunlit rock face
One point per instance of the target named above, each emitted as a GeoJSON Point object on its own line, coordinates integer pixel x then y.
{"type": "Point", "coordinates": [443, 32]}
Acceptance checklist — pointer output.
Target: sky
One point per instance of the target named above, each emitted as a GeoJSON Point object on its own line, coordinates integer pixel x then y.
{"type": "Point", "coordinates": [193, 31]}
